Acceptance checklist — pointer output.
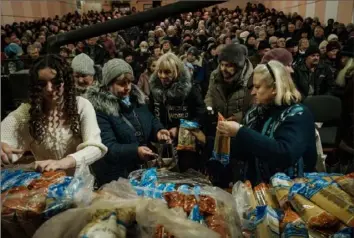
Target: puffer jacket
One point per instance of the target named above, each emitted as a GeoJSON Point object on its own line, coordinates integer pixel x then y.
{"type": "Point", "coordinates": [181, 100]}
{"type": "Point", "coordinates": [121, 140]}
{"type": "Point", "coordinates": [232, 104]}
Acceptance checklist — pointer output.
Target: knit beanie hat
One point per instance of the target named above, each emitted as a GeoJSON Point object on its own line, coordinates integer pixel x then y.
{"type": "Point", "coordinates": [332, 37]}
{"type": "Point", "coordinates": [194, 51]}
{"type": "Point", "coordinates": [332, 45]}
{"type": "Point", "coordinates": [278, 54]}
{"type": "Point", "coordinates": [323, 44]}
{"type": "Point", "coordinates": [113, 69]}
{"type": "Point", "coordinates": [244, 35]}
{"type": "Point", "coordinates": [263, 45]}
{"type": "Point", "coordinates": [83, 64]}
{"type": "Point", "coordinates": [235, 54]}
{"type": "Point", "coordinates": [290, 43]}
{"type": "Point", "coordinates": [312, 50]}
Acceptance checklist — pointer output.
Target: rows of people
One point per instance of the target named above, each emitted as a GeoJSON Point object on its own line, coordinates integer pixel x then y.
{"type": "Point", "coordinates": [252, 74]}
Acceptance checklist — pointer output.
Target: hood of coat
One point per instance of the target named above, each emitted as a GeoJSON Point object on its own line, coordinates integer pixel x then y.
{"type": "Point", "coordinates": [105, 102]}
{"type": "Point", "coordinates": [178, 91]}
{"type": "Point", "coordinates": [240, 78]}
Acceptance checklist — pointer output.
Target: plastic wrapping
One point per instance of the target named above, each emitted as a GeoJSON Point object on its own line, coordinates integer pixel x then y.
{"type": "Point", "coordinates": [156, 220]}
{"type": "Point", "coordinates": [186, 140]}
{"type": "Point", "coordinates": [26, 207]}
{"type": "Point", "coordinates": [292, 226]}
{"type": "Point", "coordinates": [221, 150]}
{"type": "Point", "coordinates": [346, 183]}
{"type": "Point", "coordinates": [264, 196]}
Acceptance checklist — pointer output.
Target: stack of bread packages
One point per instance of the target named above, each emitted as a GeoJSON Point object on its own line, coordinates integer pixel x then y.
{"type": "Point", "coordinates": [318, 205]}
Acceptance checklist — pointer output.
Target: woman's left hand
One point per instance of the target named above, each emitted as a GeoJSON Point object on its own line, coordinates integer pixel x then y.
{"type": "Point", "coordinates": [228, 128]}
{"type": "Point", "coordinates": [52, 165]}
{"type": "Point", "coordinates": [164, 135]}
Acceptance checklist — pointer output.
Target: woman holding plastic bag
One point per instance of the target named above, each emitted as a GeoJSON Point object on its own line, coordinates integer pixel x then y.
{"type": "Point", "coordinates": [174, 98]}
{"type": "Point", "coordinates": [278, 133]}
{"type": "Point", "coordinates": [127, 126]}
{"type": "Point", "coordinates": [59, 128]}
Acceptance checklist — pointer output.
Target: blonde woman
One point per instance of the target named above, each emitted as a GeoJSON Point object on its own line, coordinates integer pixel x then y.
{"type": "Point", "coordinates": [173, 97]}
{"type": "Point", "coordinates": [278, 133]}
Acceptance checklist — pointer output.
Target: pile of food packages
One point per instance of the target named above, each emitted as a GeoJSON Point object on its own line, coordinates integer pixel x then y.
{"type": "Point", "coordinates": [318, 205]}
{"type": "Point", "coordinates": [29, 198]}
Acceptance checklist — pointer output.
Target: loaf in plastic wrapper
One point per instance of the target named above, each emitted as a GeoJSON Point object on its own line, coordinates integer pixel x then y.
{"type": "Point", "coordinates": [264, 196]}
{"type": "Point", "coordinates": [293, 226]}
{"type": "Point", "coordinates": [221, 150]}
{"type": "Point", "coordinates": [346, 183]}
{"type": "Point", "coordinates": [30, 198]}
{"type": "Point", "coordinates": [329, 197]}
{"type": "Point", "coordinates": [266, 221]}
{"type": "Point", "coordinates": [186, 140]}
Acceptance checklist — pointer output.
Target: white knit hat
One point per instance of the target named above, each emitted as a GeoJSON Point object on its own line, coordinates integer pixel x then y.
{"type": "Point", "coordinates": [83, 64]}
{"type": "Point", "coordinates": [244, 35]}
{"type": "Point", "coordinates": [332, 37]}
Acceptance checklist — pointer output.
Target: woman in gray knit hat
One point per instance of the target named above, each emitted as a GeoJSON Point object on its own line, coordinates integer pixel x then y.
{"type": "Point", "coordinates": [127, 126]}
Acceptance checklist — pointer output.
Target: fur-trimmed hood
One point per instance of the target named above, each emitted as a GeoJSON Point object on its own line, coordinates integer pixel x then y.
{"type": "Point", "coordinates": [106, 102]}
{"type": "Point", "coordinates": [178, 91]}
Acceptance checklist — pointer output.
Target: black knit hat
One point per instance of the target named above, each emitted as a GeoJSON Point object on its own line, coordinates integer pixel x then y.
{"type": "Point", "coordinates": [348, 50]}
{"type": "Point", "coordinates": [194, 51]}
{"type": "Point", "coordinates": [234, 53]}
{"type": "Point", "coordinates": [263, 45]}
{"type": "Point", "coordinates": [312, 50]}
{"type": "Point", "coordinates": [332, 45]}
{"type": "Point", "coordinates": [290, 43]}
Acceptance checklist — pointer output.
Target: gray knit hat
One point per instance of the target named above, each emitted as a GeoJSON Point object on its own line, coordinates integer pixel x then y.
{"type": "Point", "coordinates": [113, 69]}
{"type": "Point", "coordinates": [83, 64]}
{"type": "Point", "coordinates": [235, 54]}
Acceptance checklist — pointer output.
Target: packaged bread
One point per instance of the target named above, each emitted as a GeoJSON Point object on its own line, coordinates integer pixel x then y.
{"type": "Point", "coordinates": [281, 184]}
{"type": "Point", "coordinates": [346, 183]}
{"type": "Point", "coordinates": [221, 150]}
{"type": "Point", "coordinates": [329, 197]}
{"type": "Point", "coordinates": [314, 216]}
{"type": "Point", "coordinates": [264, 197]}
{"type": "Point", "coordinates": [267, 222]}
{"type": "Point", "coordinates": [186, 140]}
{"type": "Point", "coordinates": [329, 177]}
{"type": "Point", "coordinates": [251, 197]}
{"type": "Point", "coordinates": [292, 225]}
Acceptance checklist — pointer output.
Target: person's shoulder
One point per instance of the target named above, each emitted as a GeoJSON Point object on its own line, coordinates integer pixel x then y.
{"type": "Point", "coordinates": [83, 104]}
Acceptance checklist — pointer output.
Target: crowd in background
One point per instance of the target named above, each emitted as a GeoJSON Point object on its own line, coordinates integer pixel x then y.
{"type": "Point", "coordinates": [319, 57]}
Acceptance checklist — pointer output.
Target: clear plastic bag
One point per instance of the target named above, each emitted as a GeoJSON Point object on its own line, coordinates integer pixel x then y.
{"type": "Point", "coordinates": [41, 196]}
{"type": "Point", "coordinates": [151, 215]}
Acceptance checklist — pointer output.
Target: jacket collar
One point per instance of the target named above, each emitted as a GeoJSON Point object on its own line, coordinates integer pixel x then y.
{"type": "Point", "coordinates": [239, 79]}
{"type": "Point", "coordinates": [106, 102]}
{"type": "Point", "coordinates": [178, 91]}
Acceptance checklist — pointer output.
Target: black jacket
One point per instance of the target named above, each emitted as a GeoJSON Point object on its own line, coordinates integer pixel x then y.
{"type": "Point", "coordinates": [118, 136]}
{"type": "Point", "coordinates": [180, 101]}
{"type": "Point", "coordinates": [97, 53]}
{"type": "Point", "coordinates": [321, 79]}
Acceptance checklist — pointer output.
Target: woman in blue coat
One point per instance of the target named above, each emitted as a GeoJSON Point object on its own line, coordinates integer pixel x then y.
{"type": "Point", "coordinates": [127, 126]}
{"type": "Point", "coordinates": [277, 134]}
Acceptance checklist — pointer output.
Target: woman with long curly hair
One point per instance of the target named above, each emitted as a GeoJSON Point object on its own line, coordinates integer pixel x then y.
{"type": "Point", "coordinates": [59, 128]}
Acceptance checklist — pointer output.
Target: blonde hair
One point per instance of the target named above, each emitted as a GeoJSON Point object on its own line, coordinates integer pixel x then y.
{"type": "Point", "coordinates": [171, 62]}
{"type": "Point", "coordinates": [340, 81]}
{"type": "Point", "coordinates": [287, 93]}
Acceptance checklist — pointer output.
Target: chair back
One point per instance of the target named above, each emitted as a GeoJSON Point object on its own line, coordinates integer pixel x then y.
{"type": "Point", "coordinates": [325, 108]}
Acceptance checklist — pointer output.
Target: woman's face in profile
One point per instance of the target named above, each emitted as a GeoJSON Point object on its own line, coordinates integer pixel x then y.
{"type": "Point", "coordinates": [262, 93]}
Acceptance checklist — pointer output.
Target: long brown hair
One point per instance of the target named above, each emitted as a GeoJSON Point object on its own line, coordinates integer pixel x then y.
{"type": "Point", "coordinates": [36, 111]}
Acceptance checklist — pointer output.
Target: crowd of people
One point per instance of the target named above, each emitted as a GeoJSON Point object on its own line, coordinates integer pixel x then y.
{"type": "Point", "coordinates": [102, 102]}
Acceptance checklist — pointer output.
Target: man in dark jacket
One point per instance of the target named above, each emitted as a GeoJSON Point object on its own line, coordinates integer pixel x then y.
{"type": "Point", "coordinates": [330, 58]}
{"type": "Point", "coordinates": [311, 76]}
{"type": "Point", "coordinates": [262, 49]}
{"type": "Point", "coordinates": [228, 83]}
{"type": "Point", "coordinates": [127, 126]}
{"type": "Point", "coordinates": [96, 51]}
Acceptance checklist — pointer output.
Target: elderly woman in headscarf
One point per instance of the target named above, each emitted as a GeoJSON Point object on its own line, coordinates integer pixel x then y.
{"type": "Point", "coordinates": [13, 64]}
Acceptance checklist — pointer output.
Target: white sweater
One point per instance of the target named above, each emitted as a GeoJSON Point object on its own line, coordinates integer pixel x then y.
{"type": "Point", "coordinates": [59, 141]}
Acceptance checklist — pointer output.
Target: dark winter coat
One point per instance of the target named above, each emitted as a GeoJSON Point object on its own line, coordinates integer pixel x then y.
{"type": "Point", "coordinates": [232, 104]}
{"type": "Point", "coordinates": [321, 79]}
{"type": "Point", "coordinates": [180, 101]}
{"type": "Point", "coordinates": [276, 139]}
{"type": "Point", "coordinates": [117, 135]}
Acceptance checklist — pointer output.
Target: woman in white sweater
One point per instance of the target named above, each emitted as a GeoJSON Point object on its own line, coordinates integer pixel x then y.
{"type": "Point", "coordinates": [59, 128]}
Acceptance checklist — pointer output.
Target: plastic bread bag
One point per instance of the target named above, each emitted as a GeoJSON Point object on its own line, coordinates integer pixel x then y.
{"type": "Point", "coordinates": [281, 184]}
{"type": "Point", "coordinates": [264, 196]}
{"type": "Point", "coordinates": [292, 225]}
{"type": "Point", "coordinates": [152, 215]}
{"type": "Point", "coordinates": [345, 233]}
{"type": "Point", "coordinates": [314, 216]}
{"type": "Point", "coordinates": [221, 150]}
{"type": "Point", "coordinates": [186, 140]}
{"type": "Point", "coordinates": [245, 204]}
{"type": "Point", "coordinates": [346, 183]}
{"type": "Point", "coordinates": [329, 197]}
{"type": "Point", "coordinates": [329, 177]}
{"type": "Point", "coordinates": [267, 222]}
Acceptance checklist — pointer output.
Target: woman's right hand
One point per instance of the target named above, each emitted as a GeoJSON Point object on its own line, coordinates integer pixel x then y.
{"type": "Point", "coordinates": [7, 152]}
{"type": "Point", "coordinates": [145, 153]}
